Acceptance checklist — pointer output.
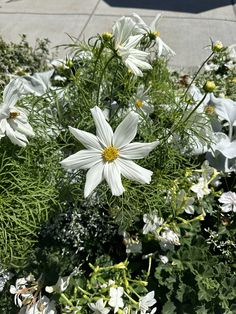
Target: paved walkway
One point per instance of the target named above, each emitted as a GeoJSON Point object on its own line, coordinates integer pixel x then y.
{"type": "Point", "coordinates": [186, 25]}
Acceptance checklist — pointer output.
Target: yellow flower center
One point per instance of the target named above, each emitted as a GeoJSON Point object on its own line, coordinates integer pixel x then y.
{"type": "Point", "coordinates": [110, 153]}
{"type": "Point", "coordinates": [14, 114]}
{"type": "Point", "coordinates": [157, 34]}
{"type": "Point", "coordinates": [209, 109]}
{"type": "Point", "coordinates": [139, 103]}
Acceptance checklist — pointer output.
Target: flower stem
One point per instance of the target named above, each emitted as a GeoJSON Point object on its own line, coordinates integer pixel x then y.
{"type": "Point", "coordinates": [101, 77]}
{"type": "Point", "coordinates": [196, 74]}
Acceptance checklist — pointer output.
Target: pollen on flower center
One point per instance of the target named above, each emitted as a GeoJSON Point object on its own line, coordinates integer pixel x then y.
{"type": "Point", "coordinates": [139, 103]}
{"type": "Point", "coordinates": [210, 109]}
{"type": "Point", "coordinates": [14, 114]}
{"type": "Point", "coordinates": [110, 153]}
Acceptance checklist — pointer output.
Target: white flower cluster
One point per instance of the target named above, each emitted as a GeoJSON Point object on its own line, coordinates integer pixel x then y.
{"type": "Point", "coordinates": [116, 303]}
{"type": "Point", "coordinates": [28, 295]}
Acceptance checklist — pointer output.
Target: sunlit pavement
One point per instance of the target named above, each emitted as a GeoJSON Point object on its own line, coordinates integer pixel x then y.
{"type": "Point", "coordinates": [187, 26]}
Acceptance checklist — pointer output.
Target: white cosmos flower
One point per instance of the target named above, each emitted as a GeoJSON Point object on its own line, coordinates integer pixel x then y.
{"type": "Point", "coordinates": [228, 199]}
{"type": "Point", "coordinates": [162, 48]}
{"type": "Point", "coordinates": [109, 155]}
{"type": "Point", "coordinates": [13, 120]}
{"type": "Point", "coordinates": [141, 101]}
{"type": "Point", "coordinates": [126, 36]}
{"type": "Point", "coordinates": [99, 307]}
{"type": "Point", "coordinates": [116, 300]}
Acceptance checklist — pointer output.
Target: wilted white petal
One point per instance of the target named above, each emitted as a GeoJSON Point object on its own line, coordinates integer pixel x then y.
{"type": "Point", "coordinates": [126, 130]}
{"type": "Point", "coordinates": [89, 140]}
{"type": "Point", "coordinates": [93, 178]}
{"type": "Point", "coordinates": [113, 177]}
{"type": "Point", "coordinates": [132, 171]}
{"type": "Point", "coordinates": [137, 150]}
{"type": "Point", "coordinates": [84, 159]}
{"type": "Point", "coordinates": [103, 128]}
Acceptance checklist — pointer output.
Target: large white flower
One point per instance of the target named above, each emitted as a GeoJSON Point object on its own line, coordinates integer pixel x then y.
{"type": "Point", "coordinates": [13, 120]}
{"type": "Point", "coordinates": [108, 155]}
{"type": "Point", "coordinates": [126, 36]}
{"type": "Point", "coordinates": [162, 48]}
{"type": "Point", "coordinates": [228, 200]}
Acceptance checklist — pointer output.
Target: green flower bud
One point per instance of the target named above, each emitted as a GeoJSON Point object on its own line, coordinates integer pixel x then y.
{"type": "Point", "coordinates": [209, 86]}
{"type": "Point", "coordinates": [217, 46]}
{"type": "Point", "coordinates": [106, 36]}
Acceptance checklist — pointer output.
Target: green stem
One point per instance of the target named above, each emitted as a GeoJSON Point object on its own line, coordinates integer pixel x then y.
{"type": "Point", "coordinates": [196, 74]}
{"type": "Point", "coordinates": [101, 77]}
{"type": "Point", "coordinates": [66, 299]}
{"type": "Point", "coordinates": [96, 62]}
{"type": "Point", "coordinates": [198, 105]}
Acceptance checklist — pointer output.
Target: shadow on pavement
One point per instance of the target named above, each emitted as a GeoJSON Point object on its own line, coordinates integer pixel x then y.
{"type": "Point", "coordinates": [191, 6]}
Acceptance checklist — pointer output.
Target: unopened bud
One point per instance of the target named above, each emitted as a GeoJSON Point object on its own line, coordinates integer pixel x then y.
{"type": "Point", "coordinates": [106, 36]}
{"type": "Point", "coordinates": [217, 46]}
{"type": "Point", "coordinates": [209, 86]}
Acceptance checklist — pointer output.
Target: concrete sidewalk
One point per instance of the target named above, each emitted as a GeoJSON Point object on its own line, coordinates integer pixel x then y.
{"type": "Point", "coordinates": [186, 25]}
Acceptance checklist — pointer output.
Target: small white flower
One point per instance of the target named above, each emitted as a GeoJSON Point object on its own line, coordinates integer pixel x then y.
{"type": "Point", "coordinates": [116, 300]}
{"type": "Point", "coordinates": [201, 188]}
{"type": "Point", "coordinates": [60, 286]}
{"type": "Point", "coordinates": [108, 155]}
{"type": "Point", "coordinates": [20, 290]}
{"type": "Point", "coordinates": [42, 306]}
{"type": "Point", "coordinates": [99, 307]}
{"type": "Point", "coordinates": [228, 199]}
{"type": "Point", "coordinates": [146, 302]}
{"type": "Point", "coordinates": [141, 101]}
{"type": "Point", "coordinates": [152, 222]}
{"type": "Point", "coordinates": [168, 239]}
{"type": "Point", "coordinates": [164, 259]}
{"type": "Point", "coordinates": [162, 48]}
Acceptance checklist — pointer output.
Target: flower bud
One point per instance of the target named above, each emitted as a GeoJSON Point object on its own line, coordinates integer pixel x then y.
{"type": "Point", "coordinates": [209, 86]}
{"type": "Point", "coordinates": [106, 36]}
{"type": "Point", "coordinates": [217, 46]}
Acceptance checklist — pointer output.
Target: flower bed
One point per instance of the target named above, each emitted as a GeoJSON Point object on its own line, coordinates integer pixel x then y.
{"type": "Point", "coordinates": [118, 179]}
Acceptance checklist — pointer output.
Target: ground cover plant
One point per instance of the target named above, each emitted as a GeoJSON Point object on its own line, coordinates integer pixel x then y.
{"type": "Point", "coordinates": [118, 180]}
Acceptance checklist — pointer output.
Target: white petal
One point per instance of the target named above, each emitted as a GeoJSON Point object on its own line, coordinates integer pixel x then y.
{"type": "Point", "coordinates": [134, 172]}
{"type": "Point", "coordinates": [93, 178]}
{"type": "Point", "coordinates": [103, 128]}
{"type": "Point", "coordinates": [113, 177]}
{"type": "Point", "coordinates": [24, 128]}
{"type": "Point", "coordinates": [137, 150]}
{"type": "Point", "coordinates": [153, 25]}
{"type": "Point", "coordinates": [11, 93]}
{"type": "Point", "coordinates": [84, 159]}
{"type": "Point", "coordinates": [14, 138]}
{"type": "Point", "coordinates": [224, 108]}
{"type": "Point", "coordinates": [126, 130]}
{"type": "Point", "coordinates": [89, 140]}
